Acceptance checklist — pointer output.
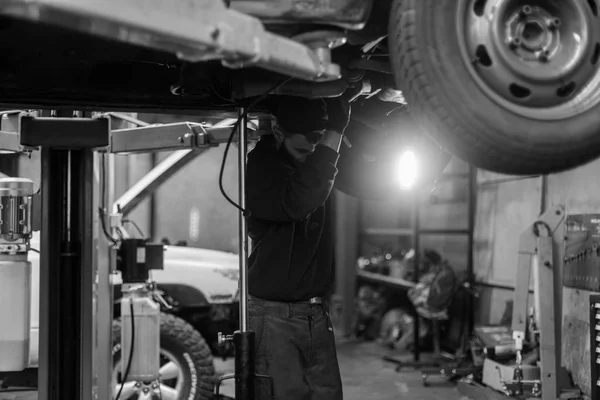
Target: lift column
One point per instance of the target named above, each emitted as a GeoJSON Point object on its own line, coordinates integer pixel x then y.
{"type": "Point", "coordinates": [66, 367]}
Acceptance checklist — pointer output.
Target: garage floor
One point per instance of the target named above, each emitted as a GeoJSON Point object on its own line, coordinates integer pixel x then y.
{"type": "Point", "coordinates": [366, 376]}
{"type": "Point", "coordinates": [364, 373]}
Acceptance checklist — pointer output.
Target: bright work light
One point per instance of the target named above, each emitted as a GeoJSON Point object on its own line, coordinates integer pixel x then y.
{"type": "Point", "coordinates": [406, 169]}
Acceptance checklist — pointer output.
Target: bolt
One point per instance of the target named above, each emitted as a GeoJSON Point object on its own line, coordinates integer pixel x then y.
{"type": "Point", "coordinates": [138, 384]}
{"type": "Point", "coordinates": [547, 263]}
{"type": "Point", "coordinates": [525, 11]}
{"type": "Point", "coordinates": [215, 33]}
{"type": "Point", "coordinates": [515, 42]}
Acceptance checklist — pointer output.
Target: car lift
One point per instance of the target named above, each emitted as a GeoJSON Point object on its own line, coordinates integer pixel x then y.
{"type": "Point", "coordinates": [75, 355]}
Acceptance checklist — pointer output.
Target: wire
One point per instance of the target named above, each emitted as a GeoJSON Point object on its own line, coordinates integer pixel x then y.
{"type": "Point", "coordinates": [34, 250]}
{"type": "Point", "coordinates": [126, 375]}
{"type": "Point", "coordinates": [104, 229]}
{"type": "Point", "coordinates": [136, 226]}
{"type": "Point", "coordinates": [233, 130]}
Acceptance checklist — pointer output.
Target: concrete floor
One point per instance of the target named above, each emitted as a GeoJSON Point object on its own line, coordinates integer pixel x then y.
{"type": "Point", "coordinates": [365, 376]}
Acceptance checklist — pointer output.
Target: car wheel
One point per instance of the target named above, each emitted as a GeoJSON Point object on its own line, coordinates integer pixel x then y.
{"type": "Point", "coordinates": [187, 371]}
{"type": "Point", "coordinates": [508, 86]}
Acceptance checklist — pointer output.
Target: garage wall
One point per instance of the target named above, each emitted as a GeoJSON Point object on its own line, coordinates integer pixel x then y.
{"type": "Point", "coordinates": [579, 191]}
{"type": "Point", "coordinates": [450, 212]}
{"type": "Point", "coordinates": [505, 207]}
{"type": "Point", "coordinates": [190, 207]}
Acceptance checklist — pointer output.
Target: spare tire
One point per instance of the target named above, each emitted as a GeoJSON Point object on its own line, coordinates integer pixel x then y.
{"type": "Point", "coordinates": [507, 87]}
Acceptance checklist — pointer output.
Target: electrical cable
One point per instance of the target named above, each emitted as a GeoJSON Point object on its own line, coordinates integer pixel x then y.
{"type": "Point", "coordinates": [230, 139]}
{"type": "Point", "coordinates": [104, 229]}
{"type": "Point", "coordinates": [130, 358]}
{"type": "Point", "coordinates": [34, 250]}
{"type": "Point", "coordinates": [135, 225]}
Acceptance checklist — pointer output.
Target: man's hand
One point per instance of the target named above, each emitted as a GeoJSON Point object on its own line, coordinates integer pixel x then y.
{"type": "Point", "coordinates": [338, 112]}
{"type": "Point", "coordinates": [332, 139]}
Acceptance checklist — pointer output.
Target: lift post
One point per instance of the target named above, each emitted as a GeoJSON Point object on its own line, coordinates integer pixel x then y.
{"type": "Point", "coordinates": [67, 273]}
{"type": "Point", "coordinates": [68, 266]}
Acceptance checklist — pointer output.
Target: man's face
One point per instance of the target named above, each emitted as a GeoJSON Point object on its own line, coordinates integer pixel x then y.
{"type": "Point", "coordinates": [301, 146]}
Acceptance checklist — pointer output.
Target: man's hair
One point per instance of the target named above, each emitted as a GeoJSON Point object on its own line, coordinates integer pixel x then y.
{"type": "Point", "coordinates": [301, 115]}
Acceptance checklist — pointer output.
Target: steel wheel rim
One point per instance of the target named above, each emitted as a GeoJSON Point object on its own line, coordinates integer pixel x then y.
{"type": "Point", "coordinates": [172, 381]}
{"type": "Point", "coordinates": [519, 66]}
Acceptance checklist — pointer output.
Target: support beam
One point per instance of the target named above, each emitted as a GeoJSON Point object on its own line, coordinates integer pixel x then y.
{"type": "Point", "coordinates": [66, 275]}
{"type": "Point", "coordinates": [67, 265]}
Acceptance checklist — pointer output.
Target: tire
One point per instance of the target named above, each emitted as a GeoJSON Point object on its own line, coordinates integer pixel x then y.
{"type": "Point", "coordinates": [430, 67]}
{"type": "Point", "coordinates": [189, 350]}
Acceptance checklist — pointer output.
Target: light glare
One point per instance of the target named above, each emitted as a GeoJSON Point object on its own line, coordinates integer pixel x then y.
{"type": "Point", "coordinates": [406, 169]}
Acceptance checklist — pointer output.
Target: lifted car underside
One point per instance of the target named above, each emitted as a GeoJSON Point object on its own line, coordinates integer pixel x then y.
{"type": "Point", "coordinates": [52, 65]}
{"type": "Point", "coordinates": [505, 85]}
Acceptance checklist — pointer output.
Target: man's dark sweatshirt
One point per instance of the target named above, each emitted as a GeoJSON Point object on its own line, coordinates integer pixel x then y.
{"type": "Point", "coordinates": [292, 254]}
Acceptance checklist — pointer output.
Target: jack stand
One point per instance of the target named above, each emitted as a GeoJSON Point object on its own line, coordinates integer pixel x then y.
{"type": "Point", "coordinates": [243, 339]}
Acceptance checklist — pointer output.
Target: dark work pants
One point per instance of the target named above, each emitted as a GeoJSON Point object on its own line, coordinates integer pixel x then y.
{"type": "Point", "coordinates": [296, 347]}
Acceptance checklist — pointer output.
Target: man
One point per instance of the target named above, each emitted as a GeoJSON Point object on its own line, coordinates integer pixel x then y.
{"type": "Point", "coordinates": [290, 175]}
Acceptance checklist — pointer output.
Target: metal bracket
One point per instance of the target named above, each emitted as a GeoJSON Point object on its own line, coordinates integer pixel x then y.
{"type": "Point", "coordinates": [175, 136]}
{"type": "Point", "coordinates": [194, 30]}
{"type": "Point", "coordinates": [23, 131]}
{"type": "Point", "coordinates": [10, 141]}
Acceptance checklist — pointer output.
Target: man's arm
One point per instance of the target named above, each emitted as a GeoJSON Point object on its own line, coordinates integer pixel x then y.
{"type": "Point", "coordinates": [278, 193]}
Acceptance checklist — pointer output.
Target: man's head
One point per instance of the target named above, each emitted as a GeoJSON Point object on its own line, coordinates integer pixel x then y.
{"type": "Point", "coordinates": [301, 124]}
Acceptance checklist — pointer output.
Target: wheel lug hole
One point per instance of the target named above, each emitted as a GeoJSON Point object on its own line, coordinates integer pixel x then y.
{"type": "Point", "coordinates": [554, 23]}
{"type": "Point", "coordinates": [526, 10]}
{"type": "Point", "coordinates": [543, 55]}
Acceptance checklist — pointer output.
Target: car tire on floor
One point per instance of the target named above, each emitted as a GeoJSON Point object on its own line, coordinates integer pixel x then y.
{"type": "Point", "coordinates": [498, 88]}
{"type": "Point", "coordinates": [187, 368]}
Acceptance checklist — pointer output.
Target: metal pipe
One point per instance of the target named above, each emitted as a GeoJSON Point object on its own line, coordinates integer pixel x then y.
{"type": "Point", "coordinates": [243, 229]}
{"type": "Point", "coordinates": [416, 271]}
{"type": "Point", "coordinates": [472, 209]}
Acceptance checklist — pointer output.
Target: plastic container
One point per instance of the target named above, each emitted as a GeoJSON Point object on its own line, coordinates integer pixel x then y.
{"type": "Point", "coordinates": [145, 363]}
{"type": "Point", "coordinates": [15, 314]}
